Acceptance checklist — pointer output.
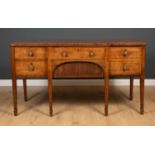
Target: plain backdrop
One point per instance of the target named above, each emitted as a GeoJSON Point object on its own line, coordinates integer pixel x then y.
{"type": "Point", "coordinates": [9, 35]}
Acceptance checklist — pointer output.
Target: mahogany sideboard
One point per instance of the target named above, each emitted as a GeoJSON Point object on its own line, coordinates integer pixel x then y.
{"type": "Point", "coordinates": [94, 59]}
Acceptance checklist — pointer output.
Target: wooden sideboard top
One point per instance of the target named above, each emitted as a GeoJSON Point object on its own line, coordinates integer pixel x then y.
{"type": "Point", "coordinates": [78, 43]}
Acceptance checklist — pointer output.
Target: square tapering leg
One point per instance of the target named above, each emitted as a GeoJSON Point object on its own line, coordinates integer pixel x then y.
{"type": "Point", "coordinates": [131, 88]}
{"type": "Point", "coordinates": [106, 93]}
{"type": "Point", "coordinates": [142, 95]}
{"type": "Point", "coordinates": [14, 90]}
{"type": "Point", "coordinates": [50, 76]}
{"type": "Point", "coordinates": [25, 89]}
{"type": "Point", "coordinates": [50, 97]}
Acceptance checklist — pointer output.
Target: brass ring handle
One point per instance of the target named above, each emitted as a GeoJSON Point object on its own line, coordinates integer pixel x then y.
{"type": "Point", "coordinates": [31, 67]}
{"type": "Point", "coordinates": [125, 67]}
{"type": "Point", "coordinates": [64, 54]}
{"type": "Point", "coordinates": [30, 54]}
{"type": "Point", "coordinates": [91, 54]}
{"type": "Point", "coordinates": [125, 53]}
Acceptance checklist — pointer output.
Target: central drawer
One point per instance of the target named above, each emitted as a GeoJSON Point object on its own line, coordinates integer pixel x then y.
{"type": "Point", "coordinates": [77, 53]}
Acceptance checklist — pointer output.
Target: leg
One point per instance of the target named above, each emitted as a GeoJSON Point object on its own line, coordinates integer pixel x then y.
{"type": "Point", "coordinates": [25, 89]}
{"type": "Point", "coordinates": [131, 88]}
{"type": "Point", "coordinates": [50, 95]}
{"type": "Point", "coordinates": [14, 90]}
{"type": "Point", "coordinates": [50, 86]}
{"type": "Point", "coordinates": [106, 93]}
{"type": "Point", "coordinates": [142, 94]}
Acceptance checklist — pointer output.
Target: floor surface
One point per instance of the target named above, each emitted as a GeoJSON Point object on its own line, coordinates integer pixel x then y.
{"type": "Point", "coordinates": [77, 106]}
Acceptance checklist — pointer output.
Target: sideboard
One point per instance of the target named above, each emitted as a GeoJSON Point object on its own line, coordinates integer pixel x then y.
{"type": "Point", "coordinates": [78, 59]}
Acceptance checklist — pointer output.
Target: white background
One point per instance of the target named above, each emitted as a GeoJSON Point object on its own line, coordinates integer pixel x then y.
{"type": "Point", "coordinates": [77, 14]}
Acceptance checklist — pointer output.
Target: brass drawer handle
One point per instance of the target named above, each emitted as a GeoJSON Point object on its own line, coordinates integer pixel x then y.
{"type": "Point", "coordinates": [31, 67]}
{"type": "Point", "coordinates": [30, 54]}
{"type": "Point", "coordinates": [64, 54]}
{"type": "Point", "coordinates": [125, 67]}
{"type": "Point", "coordinates": [91, 54]}
{"type": "Point", "coordinates": [125, 53]}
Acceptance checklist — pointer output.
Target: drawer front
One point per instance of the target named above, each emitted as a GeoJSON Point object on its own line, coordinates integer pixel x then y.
{"type": "Point", "coordinates": [125, 53]}
{"type": "Point", "coordinates": [78, 53]}
{"type": "Point", "coordinates": [30, 53]}
{"type": "Point", "coordinates": [31, 68]}
{"type": "Point", "coordinates": [125, 68]}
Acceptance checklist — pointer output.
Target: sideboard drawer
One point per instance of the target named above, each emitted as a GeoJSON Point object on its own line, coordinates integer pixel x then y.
{"type": "Point", "coordinates": [31, 68]}
{"type": "Point", "coordinates": [78, 53]}
{"type": "Point", "coordinates": [92, 53]}
{"type": "Point", "coordinates": [30, 53]}
{"type": "Point", "coordinates": [125, 68]}
{"type": "Point", "coordinates": [125, 52]}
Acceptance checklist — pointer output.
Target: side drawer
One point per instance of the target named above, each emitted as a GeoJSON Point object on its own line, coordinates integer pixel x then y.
{"type": "Point", "coordinates": [33, 53]}
{"type": "Point", "coordinates": [125, 52]}
{"type": "Point", "coordinates": [125, 68]}
{"type": "Point", "coordinates": [31, 68]}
